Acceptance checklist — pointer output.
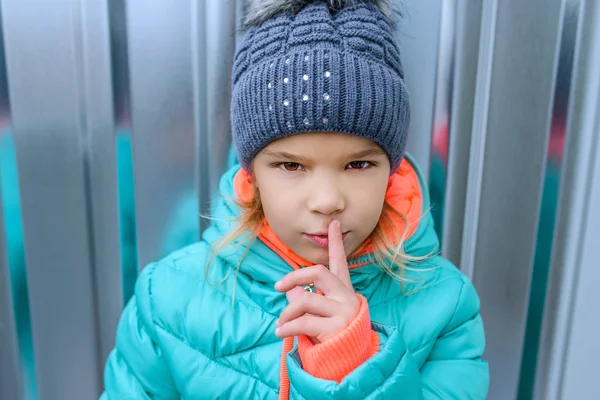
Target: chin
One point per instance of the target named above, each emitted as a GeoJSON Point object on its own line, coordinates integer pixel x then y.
{"type": "Point", "coordinates": [316, 257]}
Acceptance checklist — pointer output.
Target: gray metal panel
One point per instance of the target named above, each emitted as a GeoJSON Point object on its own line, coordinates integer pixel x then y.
{"type": "Point", "coordinates": [240, 9]}
{"type": "Point", "coordinates": [580, 376]}
{"type": "Point", "coordinates": [510, 132]}
{"type": "Point", "coordinates": [220, 25]}
{"type": "Point", "coordinates": [10, 377]}
{"type": "Point", "coordinates": [214, 44]}
{"type": "Point", "coordinates": [418, 40]}
{"type": "Point", "coordinates": [162, 110]}
{"type": "Point", "coordinates": [438, 158]}
{"type": "Point", "coordinates": [201, 100]}
{"type": "Point", "coordinates": [569, 349]}
{"type": "Point", "coordinates": [11, 382]}
{"type": "Point", "coordinates": [548, 207]}
{"type": "Point", "coordinates": [101, 168]}
{"type": "Point", "coordinates": [477, 144]}
{"type": "Point", "coordinates": [47, 97]}
{"type": "Point", "coordinates": [466, 55]}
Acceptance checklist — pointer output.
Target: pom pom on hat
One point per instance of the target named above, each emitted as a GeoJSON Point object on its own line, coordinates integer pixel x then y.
{"type": "Point", "coordinates": [259, 11]}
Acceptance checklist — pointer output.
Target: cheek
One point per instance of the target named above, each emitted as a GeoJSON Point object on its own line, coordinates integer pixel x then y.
{"type": "Point", "coordinates": [279, 206]}
{"type": "Point", "coordinates": [373, 187]}
{"type": "Point", "coordinates": [368, 205]}
{"type": "Point", "coordinates": [369, 209]}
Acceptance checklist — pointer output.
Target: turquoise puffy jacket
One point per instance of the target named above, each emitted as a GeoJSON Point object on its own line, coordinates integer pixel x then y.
{"type": "Point", "coordinates": [183, 337]}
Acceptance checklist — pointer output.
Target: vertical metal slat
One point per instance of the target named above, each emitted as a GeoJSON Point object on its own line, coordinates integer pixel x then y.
{"type": "Point", "coordinates": [162, 110]}
{"type": "Point", "coordinates": [10, 376]}
{"type": "Point", "coordinates": [215, 33]}
{"type": "Point", "coordinates": [419, 52]}
{"type": "Point", "coordinates": [510, 132]}
{"type": "Point", "coordinates": [101, 173]}
{"type": "Point", "coordinates": [201, 99]}
{"type": "Point", "coordinates": [220, 27]}
{"type": "Point", "coordinates": [466, 56]}
{"type": "Point", "coordinates": [548, 203]}
{"type": "Point", "coordinates": [44, 71]}
{"type": "Point", "coordinates": [569, 345]}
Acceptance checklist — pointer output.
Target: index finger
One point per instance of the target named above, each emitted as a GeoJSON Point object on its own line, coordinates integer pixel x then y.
{"type": "Point", "coordinates": [337, 255]}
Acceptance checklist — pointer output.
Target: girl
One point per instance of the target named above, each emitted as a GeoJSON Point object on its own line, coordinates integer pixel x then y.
{"type": "Point", "coordinates": [318, 278]}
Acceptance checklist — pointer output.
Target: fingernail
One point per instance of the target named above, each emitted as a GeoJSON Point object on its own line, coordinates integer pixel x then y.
{"type": "Point", "coordinates": [277, 331]}
{"type": "Point", "coordinates": [338, 224]}
{"type": "Point", "coordinates": [277, 322]}
{"type": "Point", "coordinates": [277, 284]}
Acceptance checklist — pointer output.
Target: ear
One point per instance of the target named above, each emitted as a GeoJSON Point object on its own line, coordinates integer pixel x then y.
{"type": "Point", "coordinates": [244, 186]}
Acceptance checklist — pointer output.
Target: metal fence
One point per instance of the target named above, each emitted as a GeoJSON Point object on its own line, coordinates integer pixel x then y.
{"type": "Point", "coordinates": [114, 130]}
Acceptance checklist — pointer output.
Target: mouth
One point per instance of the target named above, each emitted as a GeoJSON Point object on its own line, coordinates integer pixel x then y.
{"type": "Point", "coordinates": [322, 239]}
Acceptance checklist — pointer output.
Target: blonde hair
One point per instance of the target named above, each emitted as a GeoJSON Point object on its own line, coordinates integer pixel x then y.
{"type": "Point", "coordinates": [388, 251]}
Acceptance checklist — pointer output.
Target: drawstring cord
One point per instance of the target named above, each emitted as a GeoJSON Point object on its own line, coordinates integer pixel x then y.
{"type": "Point", "coordinates": [284, 380]}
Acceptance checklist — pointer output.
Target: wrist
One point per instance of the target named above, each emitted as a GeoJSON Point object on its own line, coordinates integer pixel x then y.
{"type": "Point", "coordinates": [336, 357]}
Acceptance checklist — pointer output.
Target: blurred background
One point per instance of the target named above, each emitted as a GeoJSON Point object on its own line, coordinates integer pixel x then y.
{"type": "Point", "coordinates": [114, 131]}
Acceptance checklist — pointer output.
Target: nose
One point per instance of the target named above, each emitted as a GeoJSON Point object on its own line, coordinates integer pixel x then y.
{"type": "Point", "coordinates": [327, 198]}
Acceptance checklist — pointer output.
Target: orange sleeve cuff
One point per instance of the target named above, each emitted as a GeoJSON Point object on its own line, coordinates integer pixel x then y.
{"type": "Point", "coordinates": [337, 357]}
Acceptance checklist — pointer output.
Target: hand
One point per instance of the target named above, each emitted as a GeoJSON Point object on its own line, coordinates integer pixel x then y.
{"type": "Point", "coordinates": [319, 317]}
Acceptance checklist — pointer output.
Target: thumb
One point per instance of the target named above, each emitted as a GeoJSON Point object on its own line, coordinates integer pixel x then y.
{"type": "Point", "coordinates": [337, 255]}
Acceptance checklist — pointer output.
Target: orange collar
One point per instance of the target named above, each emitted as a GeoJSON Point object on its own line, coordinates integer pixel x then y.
{"type": "Point", "coordinates": [403, 193]}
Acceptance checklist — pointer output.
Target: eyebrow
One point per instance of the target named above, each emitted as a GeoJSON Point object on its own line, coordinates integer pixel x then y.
{"type": "Point", "coordinates": [372, 152]}
{"type": "Point", "coordinates": [278, 155]}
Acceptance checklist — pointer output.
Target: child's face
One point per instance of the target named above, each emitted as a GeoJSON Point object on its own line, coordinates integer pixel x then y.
{"type": "Point", "coordinates": [307, 180]}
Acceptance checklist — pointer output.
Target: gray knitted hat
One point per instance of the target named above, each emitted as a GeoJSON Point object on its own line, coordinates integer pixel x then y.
{"type": "Point", "coordinates": [319, 65]}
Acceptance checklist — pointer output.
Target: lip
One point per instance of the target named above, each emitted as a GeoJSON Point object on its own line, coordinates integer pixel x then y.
{"type": "Point", "coordinates": [321, 240]}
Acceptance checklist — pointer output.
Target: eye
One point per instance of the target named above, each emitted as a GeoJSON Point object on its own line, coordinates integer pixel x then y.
{"type": "Point", "coordinates": [290, 166]}
{"type": "Point", "coordinates": [360, 164]}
